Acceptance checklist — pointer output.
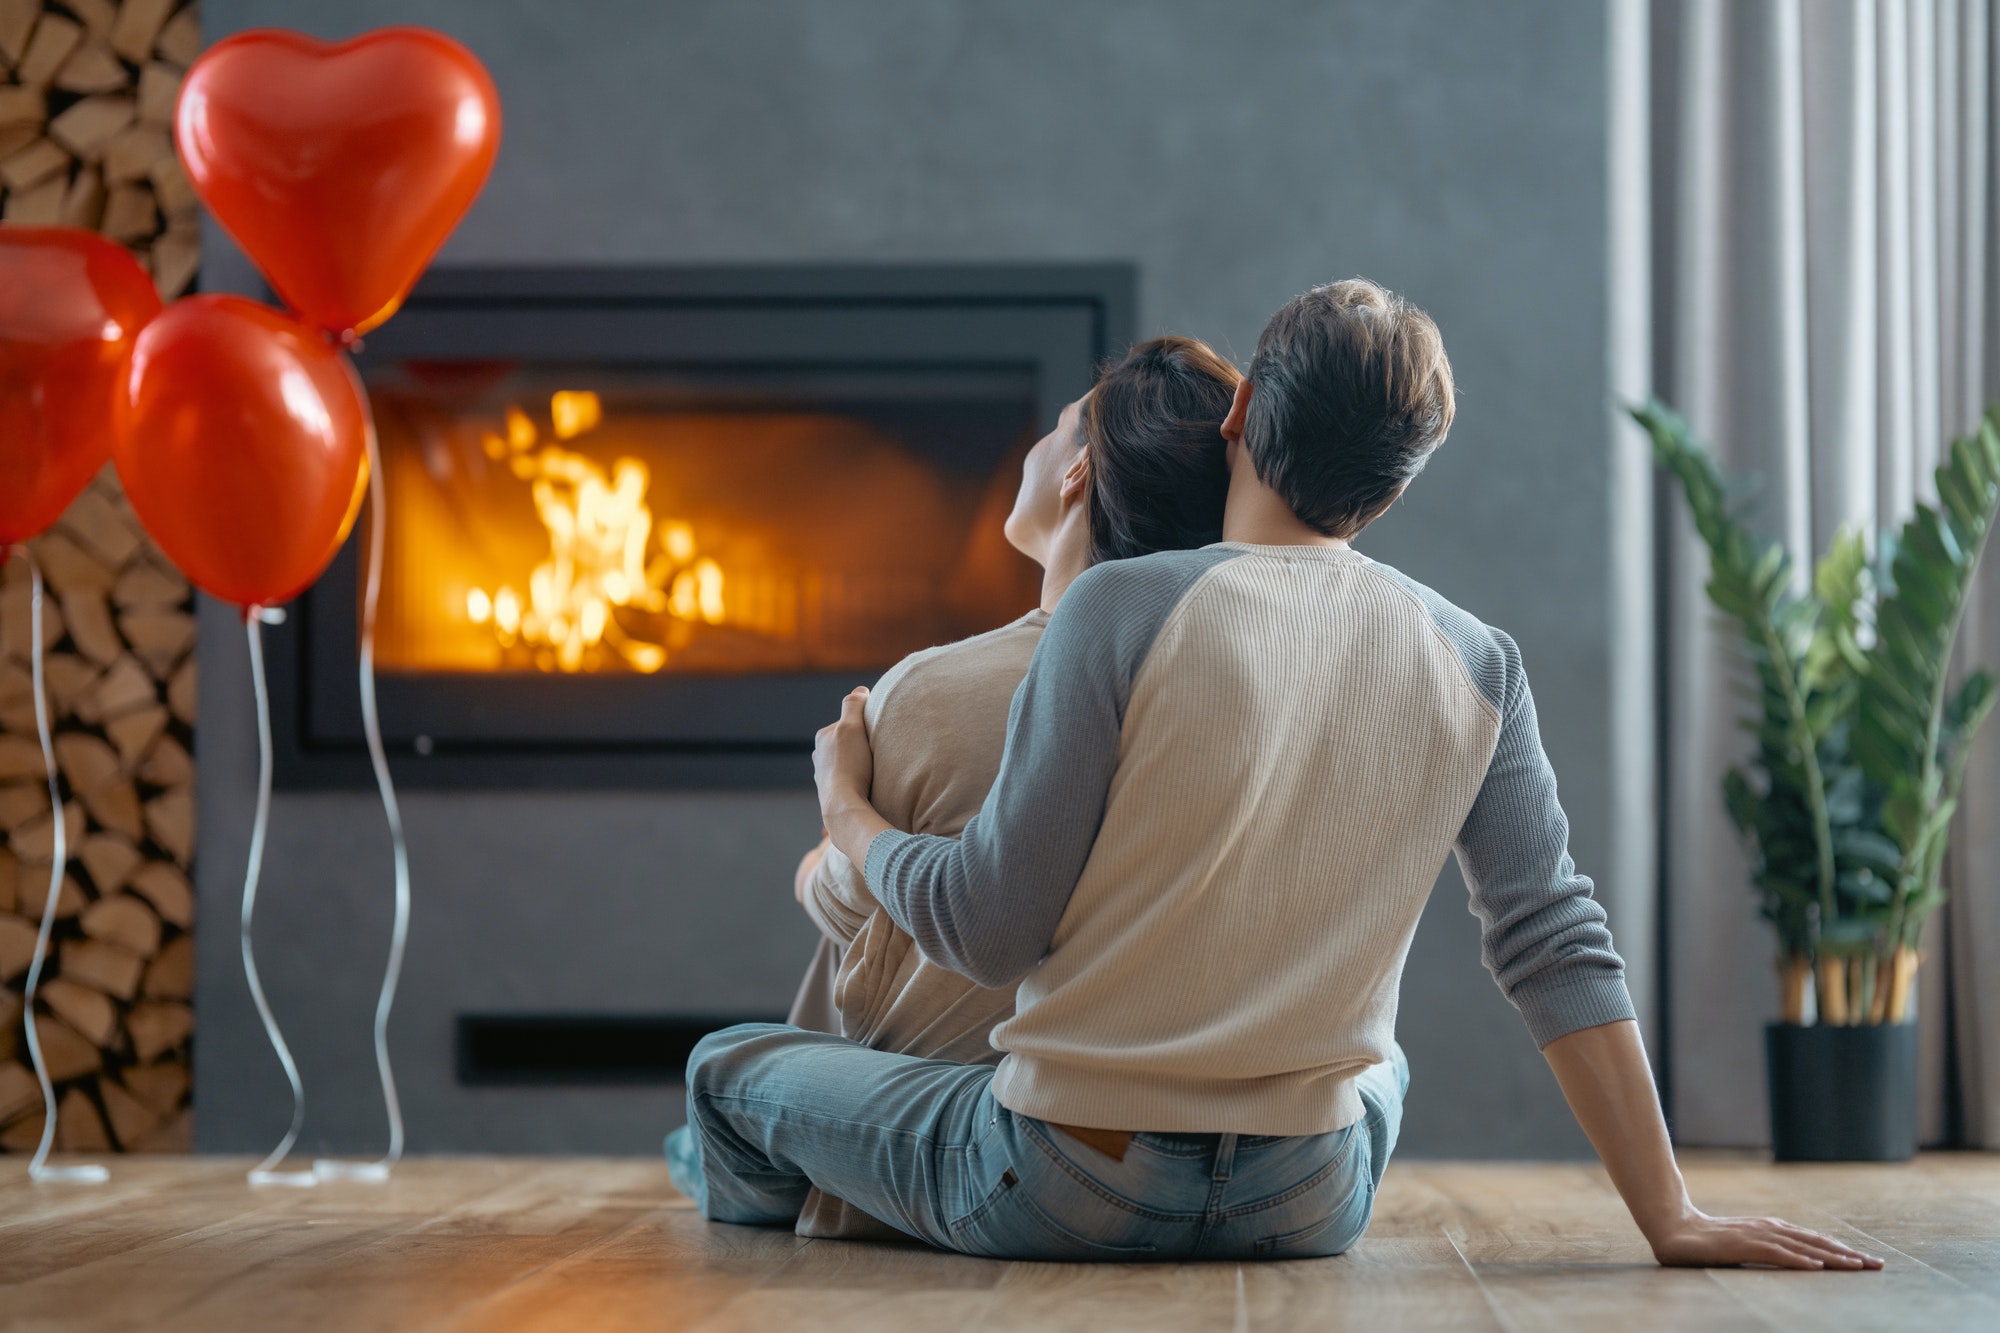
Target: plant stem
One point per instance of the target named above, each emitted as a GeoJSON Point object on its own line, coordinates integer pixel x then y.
{"type": "Point", "coordinates": [1795, 707]}
{"type": "Point", "coordinates": [1833, 991]}
{"type": "Point", "coordinates": [1903, 976]}
{"type": "Point", "coordinates": [1929, 874]}
{"type": "Point", "coordinates": [1793, 973]}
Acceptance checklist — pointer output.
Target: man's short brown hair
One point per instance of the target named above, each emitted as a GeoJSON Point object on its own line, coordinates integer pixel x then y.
{"type": "Point", "coordinates": [1352, 393]}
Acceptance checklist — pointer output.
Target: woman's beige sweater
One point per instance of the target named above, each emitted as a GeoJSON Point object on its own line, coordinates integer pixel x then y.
{"type": "Point", "coordinates": [938, 724]}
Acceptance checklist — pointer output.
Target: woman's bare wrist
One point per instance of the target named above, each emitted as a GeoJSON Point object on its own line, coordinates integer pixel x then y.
{"type": "Point", "coordinates": [852, 823]}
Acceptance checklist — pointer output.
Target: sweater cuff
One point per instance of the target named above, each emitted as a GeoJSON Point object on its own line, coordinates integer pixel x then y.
{"type": "Point", "coordinates": [875, 869]}
{"type": "Point", "coordinates": [1564, 1004]}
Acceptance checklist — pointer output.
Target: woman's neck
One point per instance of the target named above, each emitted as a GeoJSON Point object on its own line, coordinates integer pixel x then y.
{"type": "Point", "coordinates": [1069, 554]}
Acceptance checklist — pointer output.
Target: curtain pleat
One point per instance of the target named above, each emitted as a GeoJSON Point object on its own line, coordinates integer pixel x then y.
{"type": "Point", "coordinates": [1823, 316]}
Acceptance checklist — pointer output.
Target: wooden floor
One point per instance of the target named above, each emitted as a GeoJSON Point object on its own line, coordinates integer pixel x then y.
{"type": "Point", "coordinates": [516, 1244]}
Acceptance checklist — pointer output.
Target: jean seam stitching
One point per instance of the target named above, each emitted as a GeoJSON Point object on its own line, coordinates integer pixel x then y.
{"type": "Point", "coordinates": [1270, 1243]}
{"type": "Point", "coordinates": [710, 1098]}
{"type": "Point", "coordinates": [1049, 1151]}
{"type": "Point", "coordinates": [1063, 1233]}
{"type": "Point", "coordinates": [1305, 1186]}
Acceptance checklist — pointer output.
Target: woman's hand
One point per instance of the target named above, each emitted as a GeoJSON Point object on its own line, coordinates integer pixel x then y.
{"type": "Point", "coordinates": [844, 770]}
{"type": "Point", "coordinates": [843, 761]}
{"type": "Point", "coordinates": [1701, 1241]}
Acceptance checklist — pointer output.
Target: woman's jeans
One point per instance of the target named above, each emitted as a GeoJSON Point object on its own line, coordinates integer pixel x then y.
{"type": "Point", "coordinates": [922, 1145]}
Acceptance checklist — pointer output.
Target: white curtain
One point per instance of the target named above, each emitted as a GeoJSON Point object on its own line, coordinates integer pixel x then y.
{"type": "Point", "coordinates": [1824, 313]}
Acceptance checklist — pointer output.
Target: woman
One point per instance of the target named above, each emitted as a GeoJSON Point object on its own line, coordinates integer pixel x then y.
{"type": "Point", "coordinates": [1135, 466]}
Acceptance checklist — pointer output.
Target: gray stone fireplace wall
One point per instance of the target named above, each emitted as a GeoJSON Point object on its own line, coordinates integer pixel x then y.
{"type": "Point", "coordinates": [1238, 152]}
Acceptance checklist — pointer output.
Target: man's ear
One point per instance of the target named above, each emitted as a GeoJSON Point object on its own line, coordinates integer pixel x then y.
{"type": "Point", "coordinates": [1076, 478]}
{"type": "Point", "coordinates": [1239, 408]}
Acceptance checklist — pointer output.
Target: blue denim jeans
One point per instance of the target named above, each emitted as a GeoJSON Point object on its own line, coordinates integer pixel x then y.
{"type": "Point", "coordinates": [922, 1145]}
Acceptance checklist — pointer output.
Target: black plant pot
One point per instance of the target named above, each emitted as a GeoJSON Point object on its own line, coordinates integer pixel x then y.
{"type": "Point", "coordinates": [1843, 1094]}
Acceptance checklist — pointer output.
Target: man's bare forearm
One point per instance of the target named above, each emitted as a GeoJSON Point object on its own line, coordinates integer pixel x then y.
{"type": "Point", "coordinates": [1609, 1086]}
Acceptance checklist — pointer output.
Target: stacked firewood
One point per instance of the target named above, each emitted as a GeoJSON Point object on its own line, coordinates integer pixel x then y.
{"type": "Point", "coordinates": [85, 106]}
{"type": "Point", "coordinates": [86, 115]}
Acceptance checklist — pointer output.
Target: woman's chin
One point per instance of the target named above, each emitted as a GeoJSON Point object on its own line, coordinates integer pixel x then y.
{"type": "Point", "coordinates": [1028, 544]}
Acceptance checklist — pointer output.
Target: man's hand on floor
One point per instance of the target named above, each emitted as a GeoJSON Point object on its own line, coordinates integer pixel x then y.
{"type": "Point", "coordinates": [1701, 1241]}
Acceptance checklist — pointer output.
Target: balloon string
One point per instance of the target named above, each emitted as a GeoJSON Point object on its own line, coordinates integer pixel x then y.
{"type": "Point", "coordinates": [399, 931]}
{"type": "Point", "coordinates": [263, 1173]}
{"type": "Point", "coordinates": [38, 1166]}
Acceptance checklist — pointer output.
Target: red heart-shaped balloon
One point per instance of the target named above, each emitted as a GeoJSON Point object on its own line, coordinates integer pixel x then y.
{"type": "Point", "coordinates": [242, 442]}
{"type": "Point", "coordinates": [340, 168]}
{"type": "Point", "coordinates": [71, 303]}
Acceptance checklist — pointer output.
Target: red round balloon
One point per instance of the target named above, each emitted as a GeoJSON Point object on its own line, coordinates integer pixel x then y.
{"type": "Point", "coordinates": [241, 443]}
{"type": "Point", "coordinates": [71, 304]}
{"type": "Point", "coordinates": [340, 168]}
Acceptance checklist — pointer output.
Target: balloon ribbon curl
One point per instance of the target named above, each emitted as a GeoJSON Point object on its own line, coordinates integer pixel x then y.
{"type": "Point", "coordinates": [38, 1166]}
{"type": "Point", "coordinates": [399, 931]}
{"type": "Point", "coordinates": [266, 1172]}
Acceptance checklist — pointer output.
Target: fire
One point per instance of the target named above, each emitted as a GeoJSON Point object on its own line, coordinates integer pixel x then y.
{"type": "Point", "coordinates": [606, 553]}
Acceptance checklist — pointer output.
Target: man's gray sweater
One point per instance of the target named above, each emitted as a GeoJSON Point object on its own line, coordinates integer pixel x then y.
{"type": "Point", "coordinates": [1232, 776]}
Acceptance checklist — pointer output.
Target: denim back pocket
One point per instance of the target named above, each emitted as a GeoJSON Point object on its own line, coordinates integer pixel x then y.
{"type": "Point", "coordinates": [1009, 1224]}
{"type": "Point", "coordinates": [1321, 1216]}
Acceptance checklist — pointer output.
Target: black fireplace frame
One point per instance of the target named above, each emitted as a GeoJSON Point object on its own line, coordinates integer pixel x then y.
{"type": "Point", "coordinates": [1056, 321]}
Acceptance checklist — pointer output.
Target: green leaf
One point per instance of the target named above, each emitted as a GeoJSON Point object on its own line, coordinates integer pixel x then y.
{"type": "Point", "coordinates": [1870, 849]}
{"type": "Point", "coordinates": [1970, 705]}
{"type": "Point", "coordinates": [1837, 579]}
{"type": "Point", "coordinates": [1740, 800]}
{"type": "Point", "coordinates": [1846, 935]}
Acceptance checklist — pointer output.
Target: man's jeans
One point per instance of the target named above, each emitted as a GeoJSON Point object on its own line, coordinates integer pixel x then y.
{"type": "Point", "coordinates": [922, 1145]}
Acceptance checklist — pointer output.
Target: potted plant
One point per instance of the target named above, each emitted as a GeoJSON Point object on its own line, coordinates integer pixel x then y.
{"type": "Point", "coordinates": [1861, 744]}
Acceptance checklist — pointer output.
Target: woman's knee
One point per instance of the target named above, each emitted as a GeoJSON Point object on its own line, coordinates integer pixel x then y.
{"type": "Point", "coordinates": [721, 1055]}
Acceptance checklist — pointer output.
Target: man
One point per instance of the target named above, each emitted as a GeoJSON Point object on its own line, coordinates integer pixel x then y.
{"type": "Point", "coordinates": [1230, 780]}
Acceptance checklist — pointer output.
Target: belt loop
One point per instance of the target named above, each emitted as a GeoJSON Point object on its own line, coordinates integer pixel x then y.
{"type": "Point", "coordinates": [1225, 1156]}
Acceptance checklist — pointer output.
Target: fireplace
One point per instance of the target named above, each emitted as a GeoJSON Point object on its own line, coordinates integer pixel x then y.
{"type": "Point", "coordinates": [646, 526]}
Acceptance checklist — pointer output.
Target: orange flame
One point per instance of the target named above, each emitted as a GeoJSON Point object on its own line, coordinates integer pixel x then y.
{"type": "Point", "coordinates": [602, 551]}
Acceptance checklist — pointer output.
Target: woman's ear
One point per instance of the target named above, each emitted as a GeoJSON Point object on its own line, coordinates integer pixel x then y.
{"type": "Point", "coordinates": [1076, 479]}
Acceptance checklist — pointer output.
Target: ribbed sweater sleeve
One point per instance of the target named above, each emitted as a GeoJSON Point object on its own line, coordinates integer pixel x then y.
{"type": "Point", "coordinates": [1544, 937]}
{"type": "Point", "coordinates": [1035, 830]}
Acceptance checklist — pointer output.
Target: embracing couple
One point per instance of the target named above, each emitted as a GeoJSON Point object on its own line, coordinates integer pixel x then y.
{"type": "Point", "coordinates": [1117, 897]}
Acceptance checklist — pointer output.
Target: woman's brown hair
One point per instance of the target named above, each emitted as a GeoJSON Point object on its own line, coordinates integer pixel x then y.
{"type": "Point", "coordinates": [1158, 465]}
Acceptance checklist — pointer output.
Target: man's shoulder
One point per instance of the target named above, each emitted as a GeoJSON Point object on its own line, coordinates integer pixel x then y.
{"type": "Point", "coordinates": [1114, 611]}
{"type": "Point", "coordinates": [1490, 656]}
{"type": "Point", "coordinates": [1144, 586]}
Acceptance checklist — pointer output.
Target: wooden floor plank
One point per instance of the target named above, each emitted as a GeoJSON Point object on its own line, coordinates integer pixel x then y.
{"type": "Point", "coordinates": [1586, 1284]}
{"type": "Point", "coordinates": [453, 1256]}
{"type": "Point", "coordinates": [667, 1271]}
{"type": "Point", "coordinates": [845, 1287]}
{"type": "Point", "coordinates": [1087, 1298]}
{"type": "Point", "coordinates": [1415, 1284]}
{"type": "Point", "coordinates": [510, 1244]}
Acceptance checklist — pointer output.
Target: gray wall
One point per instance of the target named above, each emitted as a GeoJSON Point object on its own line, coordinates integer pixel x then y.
{"type": "Point", "coordinates": [1238, 152]}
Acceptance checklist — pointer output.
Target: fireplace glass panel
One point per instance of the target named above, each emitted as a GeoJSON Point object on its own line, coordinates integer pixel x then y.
{"type": "Point", "coordinates": [577, 519]}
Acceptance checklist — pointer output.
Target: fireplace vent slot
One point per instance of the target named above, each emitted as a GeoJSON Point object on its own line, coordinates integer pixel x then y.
{"type": "Point", "coordinates": [502, 1049]}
